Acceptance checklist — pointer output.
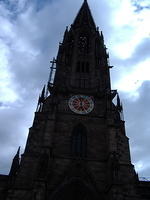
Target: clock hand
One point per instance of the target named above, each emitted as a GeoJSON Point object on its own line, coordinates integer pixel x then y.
{"type": "Point", "coordinates": [85, 110]}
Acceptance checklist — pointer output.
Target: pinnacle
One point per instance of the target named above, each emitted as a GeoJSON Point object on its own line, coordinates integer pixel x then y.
{"type": "Point", "coordinates": [18, 153]}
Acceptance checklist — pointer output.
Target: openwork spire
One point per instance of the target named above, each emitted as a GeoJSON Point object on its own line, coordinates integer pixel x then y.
{"type": "Point", "coordinates": [84, 16]}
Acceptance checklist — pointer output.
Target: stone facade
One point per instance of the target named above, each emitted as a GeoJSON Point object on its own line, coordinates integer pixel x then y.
{"type": "Point", "coordinates": [78, 152]}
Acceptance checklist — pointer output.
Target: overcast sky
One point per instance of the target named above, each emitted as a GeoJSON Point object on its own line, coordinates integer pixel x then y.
{"type": "Point", "coordinates": [30, 33]}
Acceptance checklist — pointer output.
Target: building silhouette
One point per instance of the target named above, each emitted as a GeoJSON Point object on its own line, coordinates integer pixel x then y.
{"type": "Point", "coordinates": [77, 148]}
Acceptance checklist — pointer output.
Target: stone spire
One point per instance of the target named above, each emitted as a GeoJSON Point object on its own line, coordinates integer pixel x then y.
{"type": "Point", "coordinates": [84, 17]}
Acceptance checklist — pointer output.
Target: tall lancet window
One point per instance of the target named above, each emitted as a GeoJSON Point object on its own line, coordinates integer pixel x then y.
{"type": "Point", "coordinates": [79, 141]}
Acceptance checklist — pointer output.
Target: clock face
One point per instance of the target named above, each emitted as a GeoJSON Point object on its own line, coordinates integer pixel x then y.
{"type": "Point", "coordinates": [81, 104]}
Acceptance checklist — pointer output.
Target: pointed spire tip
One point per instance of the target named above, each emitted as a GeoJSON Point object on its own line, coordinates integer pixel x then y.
{"type": "Point", "coordinates": [84, 16]}
{"type": "Point", "coordinates": [85, 1]}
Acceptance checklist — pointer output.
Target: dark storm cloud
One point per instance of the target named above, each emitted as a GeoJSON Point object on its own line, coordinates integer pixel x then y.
{"type": "Point", "coordinates": [137, 116]}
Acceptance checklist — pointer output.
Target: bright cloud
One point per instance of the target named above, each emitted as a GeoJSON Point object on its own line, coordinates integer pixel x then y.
{"type": "Point", "coordinates": [131, 27]}
{"type": "Point", "coordinates": [7, 92]}
{"type": "Point", "coordinates": [130, 82]}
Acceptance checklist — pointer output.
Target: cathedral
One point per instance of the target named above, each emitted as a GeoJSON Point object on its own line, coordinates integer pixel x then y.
{"type": "Point", "coordinates": [77, 148]}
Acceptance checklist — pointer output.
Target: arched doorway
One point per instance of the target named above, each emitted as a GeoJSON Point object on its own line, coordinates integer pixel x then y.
{"type": "Point", "coordinates": [75, 190]}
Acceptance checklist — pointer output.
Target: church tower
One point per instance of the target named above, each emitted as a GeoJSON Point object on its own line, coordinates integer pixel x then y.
{"type": "Point", "coordinates": [77, 148]}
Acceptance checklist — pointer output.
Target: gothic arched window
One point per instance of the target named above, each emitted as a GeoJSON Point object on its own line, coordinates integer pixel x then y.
{"type": "Point", "coordinates": [87, 67]}
{"type": "Point", "coordinates": [78, 67]}
{"type": "Point", "coordinates": [79, 141]}
{"type": "Point", "coordinates": [82, 67]}
{"type": "Point", "coordinates": [83, 44]}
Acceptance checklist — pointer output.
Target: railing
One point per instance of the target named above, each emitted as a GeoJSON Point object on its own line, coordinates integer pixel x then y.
{"type": "Point", "coordinates": [52, 71]}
